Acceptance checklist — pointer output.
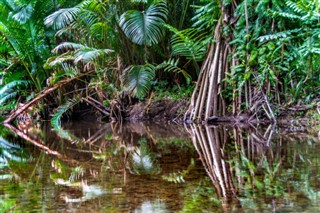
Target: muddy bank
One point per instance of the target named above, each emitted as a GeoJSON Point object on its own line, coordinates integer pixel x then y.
{"type": "Point", "coordinates": [161, 110]}
{"type": "Point", "coordinates": [173, 110]}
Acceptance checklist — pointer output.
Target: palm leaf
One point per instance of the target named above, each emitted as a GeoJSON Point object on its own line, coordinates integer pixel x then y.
{"type": "Point", "coordinates": [58, 60]}
{"type": "Point", "coordinates": [56, 117]}
{"type": "Point", "coordinates": [189, 43]}
{"type": "Point", "coordinates": [8, 96]}
{"type": "Point", "coordinates": [12, 86]}
{"type": "Point", "coordinates": [139, 1]}
{"type": "Point", "coordinates": [206, 16]}
{"type": "Point", "coordinates": [138, 79]}
{"type": "Point", "coordinates": [145, 28]}
{"type": "Point", "coordinates": [67, 46]}
{"type": "Point", "coordinates": [89, 54]}
{"type": "Point", "coordinates": [10, 90]}
{"type": "Point", "coordinates": [172, 66]}
{"type": "Point", "coordinates": [23, 14]}
{"type": "Point", "coordinates": [62, 18]}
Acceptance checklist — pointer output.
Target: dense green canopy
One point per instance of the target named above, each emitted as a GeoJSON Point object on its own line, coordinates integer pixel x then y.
{"type": "Point", "coordinates": [135, 46]}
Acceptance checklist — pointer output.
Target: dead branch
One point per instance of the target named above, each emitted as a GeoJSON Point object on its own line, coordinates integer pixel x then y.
{"type": "Point", "coordinates": [41, 95]}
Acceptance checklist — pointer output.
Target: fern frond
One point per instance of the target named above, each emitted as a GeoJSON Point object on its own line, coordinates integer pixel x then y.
{"type": "Point", "coordinates": [287, 15]}
{"type": "Point", "coordinates": [189, 43]}
{"type": "Point", "coordinates": [172, 66]}
{"type": "Point", "coordinates": [279, 35]}
{"type": "Point", "coordinates": [294, 6]}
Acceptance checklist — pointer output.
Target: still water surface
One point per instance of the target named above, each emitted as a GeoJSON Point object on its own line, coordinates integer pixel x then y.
{"type": "Point", "coordinates": [148, 167]}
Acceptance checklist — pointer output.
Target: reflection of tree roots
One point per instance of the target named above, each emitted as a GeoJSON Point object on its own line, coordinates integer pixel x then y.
{"type": "Point", "coordinates": [207, 141]}
{"type": "Point", "coordinates": [213, 146]}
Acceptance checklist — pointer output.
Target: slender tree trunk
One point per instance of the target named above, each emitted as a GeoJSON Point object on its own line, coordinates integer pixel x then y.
{"type": "Point", "coordinates": [208, 103]}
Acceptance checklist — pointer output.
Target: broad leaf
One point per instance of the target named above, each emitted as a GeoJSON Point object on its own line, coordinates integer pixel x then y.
{"type": "Point", "coordinates": [137, 79]}
{"type": "Point", "coordinates": [62, 18]}
{"type": "Point", "coordinates": [144, 28]}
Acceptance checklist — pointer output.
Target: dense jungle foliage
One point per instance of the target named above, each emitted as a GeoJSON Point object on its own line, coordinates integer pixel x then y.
{"type": "Point", "coordinates": [145, 48]}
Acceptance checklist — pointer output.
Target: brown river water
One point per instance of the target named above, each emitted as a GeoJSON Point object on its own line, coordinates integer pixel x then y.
{"type": "Point", "coordinates": [158, 167]}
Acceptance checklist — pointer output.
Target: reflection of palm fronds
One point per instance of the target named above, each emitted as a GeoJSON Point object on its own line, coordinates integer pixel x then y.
{"type": "Point", "coordinates": [76, 173]}
{"type": "Point", "coordinates": [10, 152]}
{"type": "Point", "coordinates": [175, 177]}
{"type": "Point", "coordinates": [143, 160]}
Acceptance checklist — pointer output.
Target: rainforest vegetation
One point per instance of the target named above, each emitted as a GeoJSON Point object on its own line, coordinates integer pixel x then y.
{"type": "Point", "coordinates": [59, 57]}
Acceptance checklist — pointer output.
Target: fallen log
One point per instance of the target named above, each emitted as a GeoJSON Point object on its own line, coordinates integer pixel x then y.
{"type": "Point", "coordinates": [41, 95]}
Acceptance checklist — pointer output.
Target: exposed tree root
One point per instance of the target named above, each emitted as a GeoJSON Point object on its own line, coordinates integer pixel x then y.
{"type": "Point", "coordinates": [207, 102]}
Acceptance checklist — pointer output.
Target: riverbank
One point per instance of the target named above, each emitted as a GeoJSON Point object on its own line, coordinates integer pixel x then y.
{"type": "Point", "coordinates": [173, 110]}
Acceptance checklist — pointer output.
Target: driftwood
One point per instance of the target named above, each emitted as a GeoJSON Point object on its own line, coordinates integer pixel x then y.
{"type": "Point", "coordinates": [96, 104]}
{"type": "Point", "coordinates": [41, 95]}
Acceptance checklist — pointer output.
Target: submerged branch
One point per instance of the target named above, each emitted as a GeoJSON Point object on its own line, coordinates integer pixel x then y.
{"type": "Point", "coordinates": [37, 143]}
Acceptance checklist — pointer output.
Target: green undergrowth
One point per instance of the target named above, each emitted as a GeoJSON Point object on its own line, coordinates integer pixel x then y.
{"type": "Point", "coordinates": [163, 90]}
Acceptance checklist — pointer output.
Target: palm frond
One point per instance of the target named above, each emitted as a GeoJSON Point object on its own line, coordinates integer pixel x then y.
{"type": "Point", "coordinates": [140, 1]}
{"type": "Point", "coordinates": [172, 66]}
{"type": "Point", "coordinates": [98, 29]}
{"type": "Point", "coordinates": [145, 28]}
{"type": "Point", "coordinates": [138, 79]}
{"type": "Point", "coordinates": [10, 90]}
{"type": "Point", "coordinates": [175, 177]}
{"type": "Point", "coordinates": [67, 46]}
{"type": "Point", "coordinates": [189, 43]}
{"type": "Point", "coordinates": [12, 86]}
{"type": "Point", "coordinates": [56, 117]}
{"type": "Point", "coordinates": [8, 96]}
{"type": "Point", "coordinates": [89, 54]}
{"type": "Point", "coordinates": [58, 60]}
{"type": "Point", "coordinates": [206, 16]}
{"type": "Point", "coordinates": [23, 14]}
{"type": "Point", "coordinates": [70, 70]}
{"type": "Point", "coordinates": [62, 18]}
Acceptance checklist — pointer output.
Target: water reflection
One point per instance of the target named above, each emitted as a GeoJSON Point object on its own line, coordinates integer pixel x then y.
{"type": "Point", "coordinates": [144, 167]}
{"type": "Point", "coordinates": [258, 169]}
{"type": "Point", "coordinates": [210, 143]}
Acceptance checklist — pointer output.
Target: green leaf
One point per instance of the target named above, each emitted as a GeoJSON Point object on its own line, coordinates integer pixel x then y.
{"type": "Point", "coordinates": [146, 27]}
{"type": "Point", "coordinates": [62, 18]}
{"type": "Point", "coordinates": [138, 79]}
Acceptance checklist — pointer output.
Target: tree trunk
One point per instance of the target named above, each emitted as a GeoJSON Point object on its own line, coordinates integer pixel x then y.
{"type": "Point", "coordinates": [207, 100]}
